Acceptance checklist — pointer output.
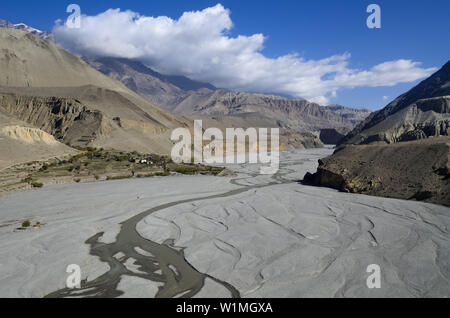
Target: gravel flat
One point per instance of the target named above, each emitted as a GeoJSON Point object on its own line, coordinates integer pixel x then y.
{"type": "Point", "coordinates": [242, 236]}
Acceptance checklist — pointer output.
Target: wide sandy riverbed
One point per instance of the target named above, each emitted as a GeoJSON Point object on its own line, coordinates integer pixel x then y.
{"type": "Point", "coordinates": [198, 236]}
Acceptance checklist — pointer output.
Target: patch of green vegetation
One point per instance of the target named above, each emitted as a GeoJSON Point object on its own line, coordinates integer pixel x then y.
{"type": "Point", "coordinates": [162, 174]}
{"type": "Point", "coordinates": [119, 177]}
{"type": "Point", "coordinates": [99, 163]}
{"type": "Point", "coordinates": [154, 174]}
{"type": "Point", "coordinates": [186, 170]}
{"type": "Point", "coordinates": [76, 157]}
{"type": "Point", "coordinates": [26, 223]}
{"type": "Point", "coordinates": [28, 179]}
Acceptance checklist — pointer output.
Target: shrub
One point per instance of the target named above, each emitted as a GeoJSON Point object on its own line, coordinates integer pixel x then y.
{"type": "Point", "coordinates": [28, 179]}
{"type": "Point", "coordinates": [118, 177]}
{"type": "Point", "coordinates": [186, 170]}
{"type": "Point", "coordinates": [162, 174]}
{"type": "Point", "coordinates": [77, 180]}
{"type": "Point", "coordinates": [26, 223]}
{"type": "Point", "coordinates": [37, 185]}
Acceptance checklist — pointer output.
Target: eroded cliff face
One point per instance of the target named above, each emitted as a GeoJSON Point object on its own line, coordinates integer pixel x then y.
{"type": "Point", "coordinates": [423, 119]}
{"type": "Point", "coordinates": [66, 119]}
{"type": "Point", "coordinates": [183, 96]}
{"type": "Point", "coordinates": [401, 151]}
{"type": "Point", "coordinates": [57, 92]}
{"type": "Point", "coordinates": [299, 115]}
{"type": "Point", "coordinates": [28, 135]}
{"type": "Point", "coordinates": [417, 170]}
{"type": "Point", "coordinates": [422, 112]}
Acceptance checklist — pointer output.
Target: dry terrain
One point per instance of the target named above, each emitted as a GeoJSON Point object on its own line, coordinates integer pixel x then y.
{"type": "Point", "coordinates": [401, 151]}
{"type": "Point", "coordinates": [416, 170]}
{"type": "Point", "coordinates": [246, 235]}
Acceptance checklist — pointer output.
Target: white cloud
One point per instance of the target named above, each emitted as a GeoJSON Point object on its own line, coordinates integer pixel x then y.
{"type": "Point", "coordinates": [199, 46]}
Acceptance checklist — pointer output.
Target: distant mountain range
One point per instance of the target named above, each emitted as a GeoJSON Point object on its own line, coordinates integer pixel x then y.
{"type": "Point", "coordinates": [51, 99]}
{"type": "Point", "coordinates": [21, 26]}
{"type": "Point", "coordinates": [184, 96]}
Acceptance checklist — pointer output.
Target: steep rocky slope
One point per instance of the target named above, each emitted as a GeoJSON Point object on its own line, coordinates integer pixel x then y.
{"type": "Point", "coordinates": [27, 61]}
{"type": "Point", "coordinates": [401, 151]}
{"type": "Point", "coordinates": [59, 93]}
{"type": "Point", "coordinates": [163, 90]}
{"type": "Point", "coordinates": [422, 112]}
{"type": "Point", "coordinates": [300, 115]}
{"type": "Point", "coordinates": [418, 170]}
{"type": "Point", "coordinates": [20, 142]}
{"type": "Point", "coordinates": [66, 119]}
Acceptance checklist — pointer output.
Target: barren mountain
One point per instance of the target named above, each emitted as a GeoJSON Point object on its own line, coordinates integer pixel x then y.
{"type": "Point", "coordinates": [401, 151]}
{"type": "Point", "coordinates": [21, 26]}
{"type": "Point", "coordinates": [59, 93]}
{"type": "Point", "coordinates": [422, 112]}
{"type": "Point", "coordinates": [188, 97]}
{"type": "Point", "coordinates": [300, 115]}
{"type": "Point", "coordinates": [27, 61]}
{"type": "Point", "coordinates": [418, 170]}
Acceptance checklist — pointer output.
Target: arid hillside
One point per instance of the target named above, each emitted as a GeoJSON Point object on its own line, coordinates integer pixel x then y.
{"type": "Point", "coordinates": [422, 112]}
{"type": "Point", "coordinates": [181, 95]}
{"type": "Point", "coordinates": [416, 170]}
{"type": "Point", "coordinates": [401, 151]}
{"type": "Point", "coordinates": [54, 91]}
{"type": "Point", "coordinates": [20, 142]}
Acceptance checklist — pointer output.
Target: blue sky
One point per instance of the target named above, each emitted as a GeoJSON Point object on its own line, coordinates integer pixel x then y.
{"type": "Point", "coordinates": [412, 30]}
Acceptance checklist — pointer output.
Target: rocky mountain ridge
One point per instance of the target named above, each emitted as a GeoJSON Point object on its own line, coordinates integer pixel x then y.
{"type": "Point", "coordinates": [204, 99]}
{"type": "Point", "coordinates": [401, 151]}
{"type": "Point", "coordinates": [422, 112]}
{"type": "Point", "coordinates": [48, 36]}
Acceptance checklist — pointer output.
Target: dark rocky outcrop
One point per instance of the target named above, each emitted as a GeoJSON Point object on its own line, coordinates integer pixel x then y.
{"type": "Point", "coordinates": [417, 170]}
{"type": "Point", "coordinates": [66, 119]}
{"type": "Point", "coordinates": [330, 136]}
{"type": "Point", "coordinates": [401, 151]}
